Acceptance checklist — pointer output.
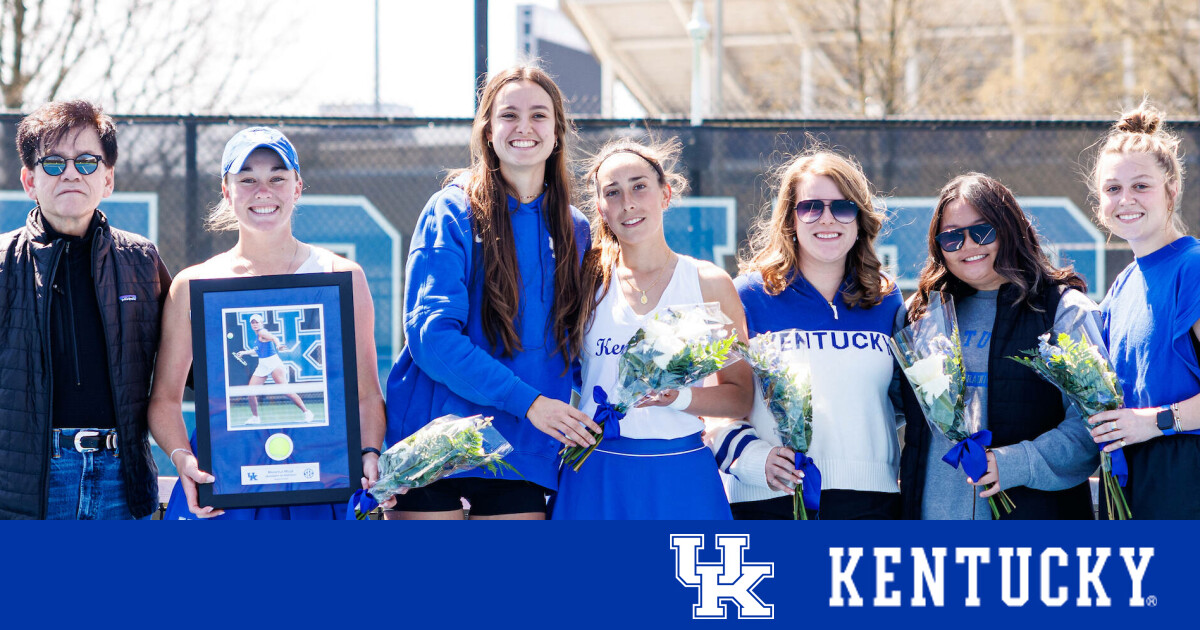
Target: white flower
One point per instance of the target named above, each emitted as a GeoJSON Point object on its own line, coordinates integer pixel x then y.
{"type": "Point", "coordinates": [653, 329]}
{"type": "Point", "coordinates": [663, 342]}
{"type": "Point", "coordinates": [799, 375]}
{"type": "Point", "coordinates": [796, 362]}
{"type": "Point", "coordinates": [666, 348]}
{"type": "Point", "coordinates": [928, 377]}
{"type": "Point", "coordinates": [692, 326]}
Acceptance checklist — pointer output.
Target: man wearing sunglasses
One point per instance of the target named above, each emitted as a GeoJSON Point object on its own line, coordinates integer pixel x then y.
{"type": "Point", "coordinates": [81, 310]}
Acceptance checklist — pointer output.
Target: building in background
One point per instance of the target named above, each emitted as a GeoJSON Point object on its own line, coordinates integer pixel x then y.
{"type": "Point", "coordinates": [550, 37]}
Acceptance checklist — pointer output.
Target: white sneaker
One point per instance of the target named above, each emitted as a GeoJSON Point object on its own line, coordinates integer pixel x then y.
{"type": "Point", "coordinates": [253, 420]}
{"type": "Point", "coordinates": [308, 416]}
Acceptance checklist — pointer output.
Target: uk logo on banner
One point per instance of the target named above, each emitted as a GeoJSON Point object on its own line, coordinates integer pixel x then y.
{"type": "Point", "coordinates": [730, 581]}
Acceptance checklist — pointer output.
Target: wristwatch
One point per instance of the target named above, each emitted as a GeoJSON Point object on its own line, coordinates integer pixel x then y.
{"type": "Point", "coordinates": [1166, 419]}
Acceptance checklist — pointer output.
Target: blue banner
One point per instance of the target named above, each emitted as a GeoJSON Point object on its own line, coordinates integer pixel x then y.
{"type": "Point", "coordinates": [674, 574]}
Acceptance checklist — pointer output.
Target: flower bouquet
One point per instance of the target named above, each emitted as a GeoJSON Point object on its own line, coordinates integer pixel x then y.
{"type": "Point", "coordinates": [930, 353]}
{"type": "Point", "coordinates": [676, 347]}
{"type": "Point", "coordinates": [781, 364]}
{"type": "Point", "coordinates": [446, 445]}
{"type": "Point", "coordinates": [1078, 366]}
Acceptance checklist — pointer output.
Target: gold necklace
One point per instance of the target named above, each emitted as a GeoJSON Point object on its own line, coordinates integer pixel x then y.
{"type": "Point", "coordinates": [661, 271]}
{"type": "Point", "coordinates": [530, 197]}
{"type": "Point", "coordinates": [291, 262]}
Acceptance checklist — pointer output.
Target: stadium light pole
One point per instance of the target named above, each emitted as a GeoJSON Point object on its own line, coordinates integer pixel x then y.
{"type": "Point", "coordinates": [698, 28]}
{"type": "Point", "coordinates": [716, 105]}
{"type": "Point", "coordinates": [481, 47]}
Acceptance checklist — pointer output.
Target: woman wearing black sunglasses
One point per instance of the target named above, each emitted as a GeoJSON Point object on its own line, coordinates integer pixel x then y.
{"type": "Point", "coordinates": [812, 266]}
{"type": "Point", "coordinates": [984, 252]}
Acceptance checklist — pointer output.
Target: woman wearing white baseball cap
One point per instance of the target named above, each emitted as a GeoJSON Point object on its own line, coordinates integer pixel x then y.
{"type": "Point", "coordinates": [260, 185]}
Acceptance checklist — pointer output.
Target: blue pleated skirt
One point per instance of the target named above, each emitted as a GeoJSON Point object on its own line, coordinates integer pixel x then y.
{"type": "Point", "coordinates": [626, 479]}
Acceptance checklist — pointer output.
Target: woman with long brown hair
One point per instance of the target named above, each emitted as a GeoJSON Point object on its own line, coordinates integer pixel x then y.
{"type": "Point", "coordinates": [812, 266]}
{"type": "Point", "coordinates": [492, 297]}
{"type": "Point", "coordinates": [984, 252]}
{"type": "Point", "coordinates": [659, 467]}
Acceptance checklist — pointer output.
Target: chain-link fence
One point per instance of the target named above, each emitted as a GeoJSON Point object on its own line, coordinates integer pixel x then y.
{"type": "Point", "coordinates": [397, 164]}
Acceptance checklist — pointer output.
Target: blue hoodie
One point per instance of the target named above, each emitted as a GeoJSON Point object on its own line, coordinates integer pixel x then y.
{"type": "Point", "coordinates": [447, 365]}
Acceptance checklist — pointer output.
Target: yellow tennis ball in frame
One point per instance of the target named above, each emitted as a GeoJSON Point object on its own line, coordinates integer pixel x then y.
{"type": "Point", "coordinates": [279, 447]}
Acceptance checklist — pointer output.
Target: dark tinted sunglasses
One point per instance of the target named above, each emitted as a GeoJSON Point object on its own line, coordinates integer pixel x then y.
{"type": "Point", "coordinates": [85, 163]}
{"type": "Point", "coordinates": [810, 210]}
{"type": "Point", "coordinates": [953, 240]}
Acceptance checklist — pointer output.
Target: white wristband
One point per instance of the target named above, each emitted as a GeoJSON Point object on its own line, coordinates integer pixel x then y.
{"type": "Point", "coordinates": [682, 401]}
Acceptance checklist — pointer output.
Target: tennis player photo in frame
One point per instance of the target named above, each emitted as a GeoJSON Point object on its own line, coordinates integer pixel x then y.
{"type": "Point", "coordinates": [276, 382]}
{"type": "Point", "coordinates": [275, 369]}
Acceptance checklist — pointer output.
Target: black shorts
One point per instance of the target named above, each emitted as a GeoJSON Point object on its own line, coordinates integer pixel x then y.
{"type": "Point", "coordinates": [836, 505]}
{"type": "Point", "coordinates": [488, 497]}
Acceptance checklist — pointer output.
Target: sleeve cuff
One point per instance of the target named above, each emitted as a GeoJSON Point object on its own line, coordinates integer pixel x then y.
{"type": "Point", "coordinates": [751, 466]}
{"type": "Point", "coordinates": [520, 399]}
{"type": "Point", "coordinates": [1012, 463]}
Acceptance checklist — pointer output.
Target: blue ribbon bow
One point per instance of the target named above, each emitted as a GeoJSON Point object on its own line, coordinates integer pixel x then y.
{"type": "Point", "coordinates": [362, 502]}
{"type": "Point", "coordinates": [1117, 464]}
{"type": "Point", "coordinates": [971, 453]}
{"type": "Point", "coordinates": [811, 482]}
{"type": "Point", "coordinates": [607, 414]}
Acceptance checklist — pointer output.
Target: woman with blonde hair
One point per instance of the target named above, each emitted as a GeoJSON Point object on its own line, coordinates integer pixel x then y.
{"type": "Point", "coordinates": [260, 185]}
{"type": "Point", "coordinates": [812, 266]}
{"type": "Point", "coordinates": [1151, 318]}
{"type": "Point", "coordinates": [658, 468]}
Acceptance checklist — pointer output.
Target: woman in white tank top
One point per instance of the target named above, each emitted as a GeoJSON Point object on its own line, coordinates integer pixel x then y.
{"type": "Point", "coordinates": [260, 185]}
{"type": "Point", "coordinates": [659, 468]}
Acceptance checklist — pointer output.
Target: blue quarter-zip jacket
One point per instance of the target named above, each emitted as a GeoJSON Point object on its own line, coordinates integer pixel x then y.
{"type": "Point", "coordinates": [447, 365]}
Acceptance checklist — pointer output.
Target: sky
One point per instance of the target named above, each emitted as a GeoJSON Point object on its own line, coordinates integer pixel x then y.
{"type": "Point", "coordinates": [426, 55]}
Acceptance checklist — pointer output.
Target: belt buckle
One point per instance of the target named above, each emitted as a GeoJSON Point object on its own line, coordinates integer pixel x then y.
{"type": "Point", "coordinates": [79, 436]}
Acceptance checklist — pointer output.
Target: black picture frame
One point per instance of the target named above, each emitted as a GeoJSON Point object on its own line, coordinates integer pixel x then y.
{"type": "Point", "coordinates": [298, 442]}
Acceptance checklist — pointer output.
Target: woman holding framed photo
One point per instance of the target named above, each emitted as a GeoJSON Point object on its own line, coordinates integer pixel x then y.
{"type": "Point", "coordinates": [260, 185]}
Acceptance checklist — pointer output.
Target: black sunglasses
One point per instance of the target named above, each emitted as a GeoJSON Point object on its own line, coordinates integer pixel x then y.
{"type": "Point", "coordinates": [810, 210]}
{"type": "Point", "coordinates": [85, 163]}
{"type": "Point", "coordinates": [953, 240]}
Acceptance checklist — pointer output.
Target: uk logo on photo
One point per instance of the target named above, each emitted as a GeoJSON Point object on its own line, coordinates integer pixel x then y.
{"type": "Point", "coordinates": [721, 584]}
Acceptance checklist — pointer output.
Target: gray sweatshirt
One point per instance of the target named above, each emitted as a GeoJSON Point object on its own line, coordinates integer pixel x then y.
{"type": "Point", "coordinates": [1055, 460]}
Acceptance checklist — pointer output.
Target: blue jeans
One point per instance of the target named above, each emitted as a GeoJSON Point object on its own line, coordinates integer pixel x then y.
{"type": "Point", "coordinates": [86, 486]}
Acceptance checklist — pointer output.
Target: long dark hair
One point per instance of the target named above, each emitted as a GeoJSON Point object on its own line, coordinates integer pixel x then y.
{"type": "Point", "coordinates": [1019, 258]}
{"type": "Point", "coordinates": [488, 194]}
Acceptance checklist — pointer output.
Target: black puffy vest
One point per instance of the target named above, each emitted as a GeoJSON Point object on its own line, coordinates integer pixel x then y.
{"type": "Point", "coordinates": [125, 265]}
{"type": "Point", "coordinates": [1021, 406]}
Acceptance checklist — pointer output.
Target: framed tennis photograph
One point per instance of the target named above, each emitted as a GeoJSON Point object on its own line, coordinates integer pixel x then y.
{"type": "Point", "coordinates": [276, 389]}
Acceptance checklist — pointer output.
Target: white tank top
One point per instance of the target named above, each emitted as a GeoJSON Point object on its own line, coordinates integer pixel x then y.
{"type": "Point", "coordinates": [320, 260]}
{"type": "Point", "coordinates": [615, 322]}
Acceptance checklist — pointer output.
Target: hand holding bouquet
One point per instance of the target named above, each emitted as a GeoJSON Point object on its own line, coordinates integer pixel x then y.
{"type": "Point", "coordinates": [446, 445]}
{"type": "Point", "coordinates": [781, 364]}
{"type": "Point", "coordinates": [1077, 365]}
{"type": "Point", "coordinates": [676, 347]}
{"type": "Point", "coordinates": [930, 354]}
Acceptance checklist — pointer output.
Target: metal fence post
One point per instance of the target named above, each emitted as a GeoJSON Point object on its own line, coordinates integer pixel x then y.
{"type": "Point", "coordinates": [196, 244]}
